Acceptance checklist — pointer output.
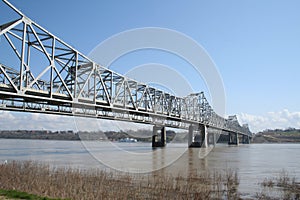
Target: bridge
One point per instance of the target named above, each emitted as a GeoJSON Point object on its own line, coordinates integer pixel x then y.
{"type": "Point", "coordinates": [41, 73]}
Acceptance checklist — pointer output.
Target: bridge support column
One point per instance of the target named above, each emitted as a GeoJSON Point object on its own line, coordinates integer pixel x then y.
{"type": "Point", "coordinates": [198, 140]}
{"type": "Point", "coordinates": [246, 139]}
{"type": "Point", "coordinates": [203, 132]}
{"type": "Point", "coordinates": [233, 138]}
{"type": "Point", "coordinates": [194, 139]}
{"type": "Point", "coordinates": [215, 139]}
{"type": "Point", "coordinates": [212, 138]}
{"type": "Point", "coordinates": [162, 142]}
{"type": "Point", "coordinates": [191, 136]}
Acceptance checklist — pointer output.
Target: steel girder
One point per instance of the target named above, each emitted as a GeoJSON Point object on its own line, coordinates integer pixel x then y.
{"type": "Point", "coordinates": [45, 74]}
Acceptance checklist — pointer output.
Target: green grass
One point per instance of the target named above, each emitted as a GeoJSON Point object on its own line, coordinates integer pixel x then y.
{"type": "Point", "coordinates": [14, 194]}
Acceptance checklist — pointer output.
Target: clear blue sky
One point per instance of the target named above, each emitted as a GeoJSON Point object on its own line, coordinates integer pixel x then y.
{"type": "Point", "coordinates": [255, 44]}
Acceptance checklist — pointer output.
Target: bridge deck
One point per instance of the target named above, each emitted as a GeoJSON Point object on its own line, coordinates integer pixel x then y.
{"type": "Point", "coordinates": [66, 82]}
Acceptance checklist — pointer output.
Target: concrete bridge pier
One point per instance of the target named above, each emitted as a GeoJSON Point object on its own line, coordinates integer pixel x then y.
{"type": "Point", "coordinates": [198, 140]}
{"type": "Point", "coordinates": [156, 140]}
{"type": "Point", "coordinates": [191, 136]}
{"type": "Point", "coordinates": [203, 132]}
{"type": "Point", "coordinates": [246, 139]}
{"type": "Point", "coordinates": [211, 139]}
{"type": "Point", "coordinates": [233, 138]}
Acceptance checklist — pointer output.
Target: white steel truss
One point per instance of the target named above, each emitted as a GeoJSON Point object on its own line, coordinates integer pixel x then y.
{"type": "Point", "coordinates": [44, 74]}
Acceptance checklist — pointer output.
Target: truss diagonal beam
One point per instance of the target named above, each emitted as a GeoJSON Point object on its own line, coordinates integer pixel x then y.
{"type": "Point", "coordinates": [69, 83]}
{"type": "Point", "coordinates": [5, 27]}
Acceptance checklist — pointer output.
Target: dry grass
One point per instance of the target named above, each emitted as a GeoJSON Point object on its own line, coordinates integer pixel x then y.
{"type": "Point", "coordinates": [282, 187]}
{"type": "Point", "coordinates": [94, 184]}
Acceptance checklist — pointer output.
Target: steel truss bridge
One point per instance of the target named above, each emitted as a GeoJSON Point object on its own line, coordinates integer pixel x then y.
{"type": "Point", "coordinates": [41, 73]}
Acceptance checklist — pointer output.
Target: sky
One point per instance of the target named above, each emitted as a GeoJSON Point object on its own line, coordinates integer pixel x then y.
{"type": "Point", "coordinates": [254, 44]}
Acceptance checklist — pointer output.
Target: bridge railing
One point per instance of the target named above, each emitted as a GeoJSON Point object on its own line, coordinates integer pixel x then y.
{"type": "Point", "coordinates": [43, 73]}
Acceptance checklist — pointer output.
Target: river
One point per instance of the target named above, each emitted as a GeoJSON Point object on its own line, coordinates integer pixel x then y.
{"type": "Point", "coordinates": [253, 162]}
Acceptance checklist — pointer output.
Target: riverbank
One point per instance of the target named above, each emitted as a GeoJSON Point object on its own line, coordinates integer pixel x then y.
{"type": "Point", "coordinates": [278, 136]}
{"type": "Point", "coordinates": [139, 135]}
{"type": "Point", "coordinates": [39, 135]}
{"type": "Point", "coordinates": [75, 184]}
{"type": "Point", "coordinates": [63, 183]}
{"type": "Point", "coordinates": [14, 194]}
{"type": "Point", "coordinates": [267, 136]}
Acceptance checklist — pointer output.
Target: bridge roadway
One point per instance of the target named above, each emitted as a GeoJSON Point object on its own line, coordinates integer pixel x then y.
{"type": "Point", "coordinates": [46, 75]}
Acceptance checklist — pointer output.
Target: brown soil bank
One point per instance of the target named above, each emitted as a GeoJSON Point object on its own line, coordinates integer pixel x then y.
{"type": "Point", "coordinates": [278, 136]}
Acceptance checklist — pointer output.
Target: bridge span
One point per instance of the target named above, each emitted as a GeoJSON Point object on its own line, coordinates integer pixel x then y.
{"type": "Point", "coordinates": [41, 73]}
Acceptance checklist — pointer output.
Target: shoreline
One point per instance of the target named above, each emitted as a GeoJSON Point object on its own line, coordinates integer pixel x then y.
{"type": "Point", "coordinates": [60, 183]}
{"type": "Point", "coordinates": [265, 137]}
{"type": "Point", "coordinates": [62, 139]}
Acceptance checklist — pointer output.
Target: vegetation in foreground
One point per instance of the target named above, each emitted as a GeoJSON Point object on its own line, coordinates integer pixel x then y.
{"type": "Point", "coordinates": [36, 180]}
{"type": "Point", "coordinates": [43, 180]}
{"type": "Point", "coordinates": [14, 194]}
{"type": "Point", "coordinates": [282, 187]}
